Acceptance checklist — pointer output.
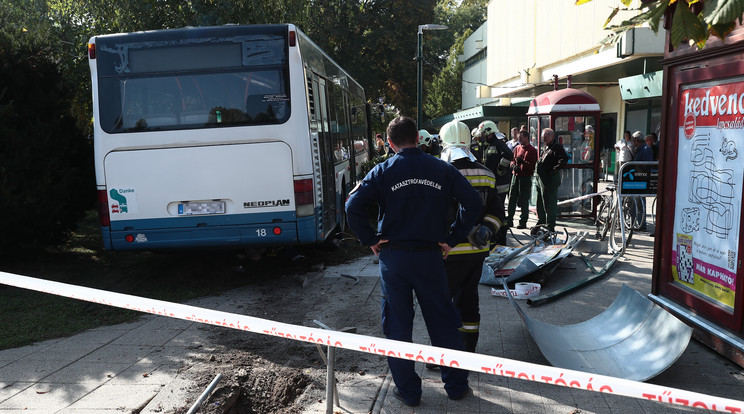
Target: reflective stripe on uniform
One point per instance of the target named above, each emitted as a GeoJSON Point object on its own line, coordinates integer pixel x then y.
{"type": "Point", "coordinates": [504, 188]}
{"type": "Point", "coordinates": [504, 162]}
{"type": "Point", "coordinates": [479, 177]}
{"type": "Point", "coordinates": [470, 327]}
{"type": "Point", "coordinates": [493, 219]}
{"type": "Point", "coordinates": [467, 248]}
{"type": "Point", "coordinates": [481, 181]}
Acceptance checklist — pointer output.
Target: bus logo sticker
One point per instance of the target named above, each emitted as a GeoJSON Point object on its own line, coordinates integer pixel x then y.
{"type": "Point", "coordinates": [123, 200]}
{"type": "Point", "coordinates": [266, 203]}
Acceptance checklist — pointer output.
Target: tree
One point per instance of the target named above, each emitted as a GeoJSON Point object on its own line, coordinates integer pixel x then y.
{"type": "Point", "coordinates": [693, 21]}
{"type": "Point", "coordinates": [444, 92]}
{"type": "Point", "coordinates": [46, 163]}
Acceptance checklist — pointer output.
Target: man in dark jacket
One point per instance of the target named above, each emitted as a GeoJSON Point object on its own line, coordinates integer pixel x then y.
{"type": "Point", "coordinates": [414, 192]}
{"type": "Point", "coordinates": [552, 159]}
{"type": "Point", "coordinates": [523, 167]}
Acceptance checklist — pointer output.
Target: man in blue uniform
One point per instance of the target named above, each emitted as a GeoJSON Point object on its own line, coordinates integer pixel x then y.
{"type": "Point", "coordinates": [413, 191]}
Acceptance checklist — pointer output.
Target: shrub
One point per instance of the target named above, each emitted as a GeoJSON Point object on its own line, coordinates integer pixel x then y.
{"type": "Point", "coordinates": [46, 163]}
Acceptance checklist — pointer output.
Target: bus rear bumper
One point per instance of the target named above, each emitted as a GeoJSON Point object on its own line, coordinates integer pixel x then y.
{"type": "Point", "coordinates": [271, 234]}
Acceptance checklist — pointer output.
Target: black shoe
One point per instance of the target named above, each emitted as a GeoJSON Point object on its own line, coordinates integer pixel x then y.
{"type": "Point", "coordinates": [400, 398]}
{"type": "Point", "coordinates": [522, 226]}
{"type": "Point", "coordinates": [431, 366]}
{"type": "Point", "coordinates": [461, 396]}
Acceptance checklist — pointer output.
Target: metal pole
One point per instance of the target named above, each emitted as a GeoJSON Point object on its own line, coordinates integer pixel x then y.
{"type": "Point", "coordinates": [194, 408]}
{"type": "Point", "coordinates": [420, 74]}
{"type": "Point", "coordinates": [330, 379]}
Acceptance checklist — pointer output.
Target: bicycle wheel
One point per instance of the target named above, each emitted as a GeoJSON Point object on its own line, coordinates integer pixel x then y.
{"type": "Point", "coordinates": [640, 217]}
{"type": "Point", "coordinates": [616, 232]}
{"type": "Point", "coordinates": [634, 212]}
{"type": "Point", "coordinates": [604, 215]}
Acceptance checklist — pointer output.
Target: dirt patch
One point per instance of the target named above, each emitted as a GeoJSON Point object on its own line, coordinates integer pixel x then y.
{"type": "Point", "coordinates": [263, 373]}
{"type": "Point", "coordinates": [263, 388]}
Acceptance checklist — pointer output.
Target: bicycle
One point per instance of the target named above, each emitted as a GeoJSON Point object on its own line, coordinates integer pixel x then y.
{"type": "Point", "coordinates": [608, 220]}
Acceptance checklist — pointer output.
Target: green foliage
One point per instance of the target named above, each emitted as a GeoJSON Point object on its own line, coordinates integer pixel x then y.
{"type": "Point", "coordinates": [375, 41]}
{"type": "Point", "coordinates": [368, 165]}
{"type": "Point", "coordinates": [46, 176]}
{"type": "Point", "coordinates": [693, 21]}
{"type": "Point", "coordinates": [443, 95]}
{"type": "Point", "coordinates": [688, 27]}
{"type": "Point", "coordinates": [445, 91]}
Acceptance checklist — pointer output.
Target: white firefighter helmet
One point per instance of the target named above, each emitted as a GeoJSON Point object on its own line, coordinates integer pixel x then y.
{"type": "Point", "coordinates": [487, 128]}
{"type": "Point", "coordinates": [474, 132]}
{"type": "Point", "coordinates": [455, 133]}
{"type": "Point", "coordinates": [455, 141]}
{"type": "Point", "coordinates": [424, 138]}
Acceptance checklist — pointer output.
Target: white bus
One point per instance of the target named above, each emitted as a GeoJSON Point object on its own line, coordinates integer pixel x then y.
{"type": "Point", "coordinates": [219, 136]}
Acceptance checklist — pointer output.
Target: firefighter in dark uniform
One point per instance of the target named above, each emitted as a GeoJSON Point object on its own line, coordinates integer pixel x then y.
{"type": "Point", "coordinates": [477, 147]}
{"type": "Point", "coordinates": [414, 191]}
{"type": "Point", "coordinates": [436, 149]}
{"type": "Point", "coordinates": [498, 160]}
{"type": "Point", "coordinates": [464, 264]}
{"type": "Point", "coordinates": [426, 143]}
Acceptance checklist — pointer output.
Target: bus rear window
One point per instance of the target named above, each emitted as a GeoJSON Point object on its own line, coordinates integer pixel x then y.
{"type": "Point", "coordinates": [155, 103]}
{"type": "Point", "coordinates": [173, 80]}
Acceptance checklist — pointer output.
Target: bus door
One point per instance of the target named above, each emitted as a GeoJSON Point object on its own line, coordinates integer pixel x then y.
{"type": "Point", "coordinates": [353, 147]}
{"type": "Point", "coordinates": [328, 204]}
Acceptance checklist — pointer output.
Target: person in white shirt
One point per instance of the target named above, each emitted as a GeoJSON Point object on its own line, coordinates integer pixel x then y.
{"type": "Point", "coordinates": [624, 151]}
{"type": "Point", "coordinates": [512, 143]}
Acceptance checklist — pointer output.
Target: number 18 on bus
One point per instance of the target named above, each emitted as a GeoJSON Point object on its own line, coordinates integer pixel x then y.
{"type": "Point", "coordinates": [220, 136]}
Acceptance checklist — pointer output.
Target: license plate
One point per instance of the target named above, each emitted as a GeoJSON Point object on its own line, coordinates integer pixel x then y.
{"type": "Point", "coordinates": [194, 208]}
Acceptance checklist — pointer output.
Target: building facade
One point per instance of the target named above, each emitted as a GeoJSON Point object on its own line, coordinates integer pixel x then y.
{"type": "Point", "coordinates": [530, 45]}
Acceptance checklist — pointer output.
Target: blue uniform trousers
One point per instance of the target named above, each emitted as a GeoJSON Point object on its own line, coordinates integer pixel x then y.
{"type": "Point", "coordinates": [404, 272]}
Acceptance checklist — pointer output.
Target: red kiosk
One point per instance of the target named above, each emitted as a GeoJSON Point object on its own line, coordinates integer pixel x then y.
{"type": "Point", "coordinates": [573, 115]}
{"type": "Point", "coordinates": [698, 273]}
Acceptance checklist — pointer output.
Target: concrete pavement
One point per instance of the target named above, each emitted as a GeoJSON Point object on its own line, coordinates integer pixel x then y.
{"type": "Point", "coordinates": [141, 367]}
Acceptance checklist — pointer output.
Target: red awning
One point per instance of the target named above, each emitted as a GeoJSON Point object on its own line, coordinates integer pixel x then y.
{"type": "Point", "coordinates": [564, 100]}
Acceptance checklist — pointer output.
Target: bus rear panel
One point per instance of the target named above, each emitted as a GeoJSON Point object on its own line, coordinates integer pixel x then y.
{"type": "Point", "coordinates": [202, 139]}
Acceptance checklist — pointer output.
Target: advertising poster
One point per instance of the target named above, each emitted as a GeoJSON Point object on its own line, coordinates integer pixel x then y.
{"type": "Point", "coordinates": [710, 172]}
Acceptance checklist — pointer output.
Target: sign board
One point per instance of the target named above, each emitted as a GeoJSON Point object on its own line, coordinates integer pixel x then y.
{"type": "Point", "coordinates": [705, 237]}
{"type": "Point", "coordinates": [640, 178]}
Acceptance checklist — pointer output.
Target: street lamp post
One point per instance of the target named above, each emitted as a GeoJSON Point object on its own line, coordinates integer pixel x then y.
{"type": "Point", "coordinates": [420, 60]}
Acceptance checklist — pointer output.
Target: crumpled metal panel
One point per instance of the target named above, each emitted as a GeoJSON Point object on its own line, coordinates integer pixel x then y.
{"type": "Point", "coordinates": [633, 339]}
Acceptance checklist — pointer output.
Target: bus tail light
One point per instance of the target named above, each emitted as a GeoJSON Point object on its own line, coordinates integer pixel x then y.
{"type": "Point", "coordinates": [103, 209]}
{"type": "Point", "coordinates": [92, 50]}
{"type": "Point", "coordinates": [292, 38]}
{"type": "Point", "coordinates": [303, 190]}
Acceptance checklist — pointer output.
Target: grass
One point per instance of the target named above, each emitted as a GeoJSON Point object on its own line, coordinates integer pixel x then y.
{"type": "Point", "coordinates": [27, 316]}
